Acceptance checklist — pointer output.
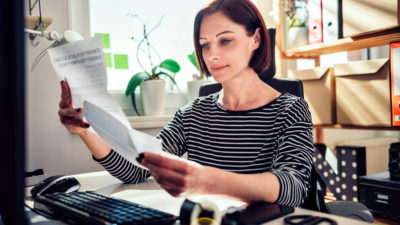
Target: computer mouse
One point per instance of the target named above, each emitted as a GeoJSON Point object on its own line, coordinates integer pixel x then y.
{"type": "Point", "coordinates": [58, 183]}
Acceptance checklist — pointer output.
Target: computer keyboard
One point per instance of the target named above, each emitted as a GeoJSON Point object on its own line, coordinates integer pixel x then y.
{"type": "Point", "coordinates": [93, 208]}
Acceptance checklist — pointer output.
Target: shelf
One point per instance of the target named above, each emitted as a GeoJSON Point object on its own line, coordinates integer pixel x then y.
{"type": "Point", "coordinates": [338, 126]}
{"type": "Point", "coordinates": [319, 135]}
{"type": "Point", "coordinates": [366, 40]}
{"type": "Point", "coordinates": [146, 122]}
{"type": "Point", "coordinates": [31, 22]}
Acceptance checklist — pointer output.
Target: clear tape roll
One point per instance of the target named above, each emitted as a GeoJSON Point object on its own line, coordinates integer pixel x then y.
{"type": "Point", "coordinates": [193, 212]}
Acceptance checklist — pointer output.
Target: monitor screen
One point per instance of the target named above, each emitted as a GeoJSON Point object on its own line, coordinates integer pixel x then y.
{"type": "Point", "coordinates": [12, 113]}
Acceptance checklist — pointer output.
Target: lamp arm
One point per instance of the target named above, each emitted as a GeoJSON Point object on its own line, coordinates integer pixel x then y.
{"type": "Point", "coordinates": [67, 37]}
{"type": "Point", "coordinates": [51, 36]}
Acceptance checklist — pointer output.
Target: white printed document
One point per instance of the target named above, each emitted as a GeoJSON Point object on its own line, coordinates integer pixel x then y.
{"type": "Point", "coordinates": [123, 139]}
{"type": "Point", "coordinates": [82, 64]}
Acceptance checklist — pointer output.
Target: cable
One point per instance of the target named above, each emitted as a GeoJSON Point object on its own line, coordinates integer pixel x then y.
{"type": "Point", "coordinates": [40, 56]}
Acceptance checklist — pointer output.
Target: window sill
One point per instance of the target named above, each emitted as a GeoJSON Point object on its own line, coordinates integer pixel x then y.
{"type": "Point", "coordinates": [173, 102]}
{"type": "Point", "coordinates": [143, 122]}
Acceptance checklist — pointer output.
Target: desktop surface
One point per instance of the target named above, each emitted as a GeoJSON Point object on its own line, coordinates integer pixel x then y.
{"type": "Point", "coordinates": [150, 194]}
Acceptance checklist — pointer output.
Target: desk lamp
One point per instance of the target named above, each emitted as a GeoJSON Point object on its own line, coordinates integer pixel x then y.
{"type": "Point", "coordinates": [67, 37]}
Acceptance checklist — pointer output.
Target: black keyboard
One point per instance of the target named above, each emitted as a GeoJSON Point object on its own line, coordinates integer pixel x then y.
{"type": "Point", "coordinates": [93, 208]}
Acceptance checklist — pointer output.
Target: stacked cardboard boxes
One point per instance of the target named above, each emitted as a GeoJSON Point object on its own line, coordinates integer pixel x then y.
{"type": "Point", "coordinates": [363, 16]}
{"type": "Point", "coordinates": [363, 93]}
{"type": "Point", "coordinates": [354, 93]}
{"type": "Point", "coordinates": [319, 86]}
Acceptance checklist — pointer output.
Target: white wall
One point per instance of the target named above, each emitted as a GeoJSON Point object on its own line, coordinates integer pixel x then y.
{"type": "Point", "coordinates": [50, 145]}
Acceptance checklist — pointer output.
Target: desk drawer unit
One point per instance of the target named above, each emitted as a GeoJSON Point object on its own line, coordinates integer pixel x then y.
{"type": "Point", "coordinates": [381, 195]}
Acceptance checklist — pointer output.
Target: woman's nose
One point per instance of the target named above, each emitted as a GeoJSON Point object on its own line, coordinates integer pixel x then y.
{"type": "Point", "coordinates": [213, 53]}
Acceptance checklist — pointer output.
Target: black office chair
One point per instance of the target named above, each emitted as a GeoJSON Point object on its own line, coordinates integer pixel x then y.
{"type": "Point", "coordinates": [315, 199]}
{"type": "Point", "coordinates": [294, 87]}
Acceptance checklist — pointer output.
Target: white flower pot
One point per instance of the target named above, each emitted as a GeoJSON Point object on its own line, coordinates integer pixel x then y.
{"type": "Point", "coordinates": [153, 97]}
{"type": "Point", "coordinates": [297, 36]}
{"type": "Point", "coordinates": [193, 88]}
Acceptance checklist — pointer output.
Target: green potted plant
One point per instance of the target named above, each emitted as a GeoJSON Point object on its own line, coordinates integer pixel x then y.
{"type": "Point", "coordinates": [151, 80]}
{"type": "Point", "coordinates": [296, 12]}
{"type": "Point", "coordinates": [194, 85]}
{"type": "Point", "coordinates": [192, 58]}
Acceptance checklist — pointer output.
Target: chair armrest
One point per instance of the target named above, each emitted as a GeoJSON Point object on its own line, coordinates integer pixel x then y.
{"type": "Point", "coordinates": [354, 210]}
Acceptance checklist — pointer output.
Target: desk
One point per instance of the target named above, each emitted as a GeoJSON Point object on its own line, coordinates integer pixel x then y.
{"type": "Point", "coordinates": [150, 194]}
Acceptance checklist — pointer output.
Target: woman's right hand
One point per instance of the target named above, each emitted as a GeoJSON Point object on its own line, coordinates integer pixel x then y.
{"type": "Point", "coordinates": [69, 116]}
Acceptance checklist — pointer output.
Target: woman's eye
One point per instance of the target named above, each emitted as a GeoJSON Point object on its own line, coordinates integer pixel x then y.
{"type": "Point", "coordinates": [204, 46]}
{"type": "Point", "coordinates": [225, 41]}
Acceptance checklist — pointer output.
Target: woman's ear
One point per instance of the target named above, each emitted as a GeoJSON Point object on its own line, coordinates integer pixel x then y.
{"type": "Point", "coordinates": [257, 39]}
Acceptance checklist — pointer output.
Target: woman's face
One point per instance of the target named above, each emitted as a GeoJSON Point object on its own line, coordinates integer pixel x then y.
{"type": "Point", "coordinates": [226, 47]}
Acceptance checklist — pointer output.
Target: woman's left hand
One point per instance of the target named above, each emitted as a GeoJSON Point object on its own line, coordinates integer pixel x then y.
{"type": "Point", "coordinates": [177, 176]}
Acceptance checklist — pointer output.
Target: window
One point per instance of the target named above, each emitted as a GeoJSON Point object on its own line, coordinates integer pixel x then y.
{"type": "Point", "coordinates": [172, 39]}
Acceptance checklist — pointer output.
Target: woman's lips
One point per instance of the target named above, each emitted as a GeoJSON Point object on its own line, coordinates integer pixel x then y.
{"type": "Point", "coordinates": [218, 68]}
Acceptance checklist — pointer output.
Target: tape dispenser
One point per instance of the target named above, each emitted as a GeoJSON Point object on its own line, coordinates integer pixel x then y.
{"type": "Point", "coordinates": [203, 212]}
{"type": "Point", "coordinates": [206, 212]}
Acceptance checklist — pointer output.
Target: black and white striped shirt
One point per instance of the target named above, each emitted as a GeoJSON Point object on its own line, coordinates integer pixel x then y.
{"type": "Point", "coordinates": [274, 138]}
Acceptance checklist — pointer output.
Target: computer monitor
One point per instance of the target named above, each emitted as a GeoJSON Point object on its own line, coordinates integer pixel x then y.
{"type": "Point", "coordinates": [12, 113]}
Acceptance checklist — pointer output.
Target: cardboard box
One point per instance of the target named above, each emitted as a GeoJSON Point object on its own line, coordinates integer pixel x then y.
{"type": "Point", "coordinates": [363, 93]}
{"type": "Point", "coordinates": [361, 16]}
{"type": "Point", "coordinates": [395, 81]}
{"type": "Point", "coordinates": [318, 85]}
{"type": "Point", "coordinates": [376, 152]}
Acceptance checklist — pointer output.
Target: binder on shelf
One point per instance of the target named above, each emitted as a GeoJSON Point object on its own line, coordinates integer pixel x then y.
{"type": "Point", "coordinates": [331, 20]}
{"type": "Point", "coordinates": [395, 81]}
{"type": "Point", "coordinates": [314, 21]}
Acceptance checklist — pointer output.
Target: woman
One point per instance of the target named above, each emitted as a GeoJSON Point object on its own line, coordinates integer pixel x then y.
{"type": "Point", "coordinates": [248, 141]}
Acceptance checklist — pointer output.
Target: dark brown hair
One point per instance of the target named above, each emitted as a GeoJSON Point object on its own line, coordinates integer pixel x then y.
{"type": "Point", "coordinates": [242, 12]}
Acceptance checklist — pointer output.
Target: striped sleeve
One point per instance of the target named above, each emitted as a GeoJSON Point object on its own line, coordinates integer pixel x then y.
{"type": "Point", "coordinates": [173, 134]}
{"type": "Point", "coordinates": [172, 141]}
{"type": "Point", "coordinates": [122, 169]}
{"type": "Point", "coordinates": [293, 161]}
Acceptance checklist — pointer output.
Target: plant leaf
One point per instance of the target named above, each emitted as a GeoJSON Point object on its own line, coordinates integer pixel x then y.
{"type": "Point", "coordinates": [171, 65]}
{"type": "Point", "coordinates": [193, 60]}
{"type": "Point", "coordinates": [170, 77]}
{"type": "Point", "coordinates": [133, 83]}
{"type": "Point", "coordinates": [153, 71]}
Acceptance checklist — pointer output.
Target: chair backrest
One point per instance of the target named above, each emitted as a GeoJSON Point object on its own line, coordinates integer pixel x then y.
{"type": "Point", "coordinates": [283, 85]}
{"type": "Point", "coordinates": [315, 199]}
